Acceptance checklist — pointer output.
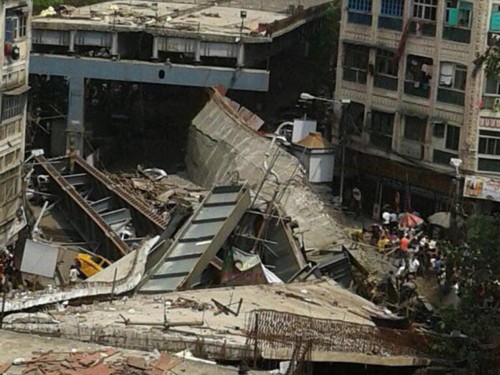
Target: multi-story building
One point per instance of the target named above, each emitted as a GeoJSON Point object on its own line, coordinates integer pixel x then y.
{"type": "Point", "coordinates": [419, 97]}
{"type": "Point", "coordinates": [15, 33]}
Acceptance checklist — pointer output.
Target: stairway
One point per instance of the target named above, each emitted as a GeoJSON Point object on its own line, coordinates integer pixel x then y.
{"type": "Point", "coordinates": [200, 239]}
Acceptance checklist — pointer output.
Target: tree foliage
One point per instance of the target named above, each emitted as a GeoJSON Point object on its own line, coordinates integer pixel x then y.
{"type": "Point", "coordinates": [477, 315]}
{"type": "Point", "coordinates": [492, 63]}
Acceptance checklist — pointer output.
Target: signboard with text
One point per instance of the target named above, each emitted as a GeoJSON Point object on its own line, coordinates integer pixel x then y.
{"type": "Point", "coordinates": [482, 188]}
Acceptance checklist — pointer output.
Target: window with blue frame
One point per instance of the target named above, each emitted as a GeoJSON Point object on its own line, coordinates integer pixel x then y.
{"type": "Point", "coordinates": [393, 8]}
{"type": "Point", "coordinates": [359, 12]}
{"type": "Point", "coordinates": [360, 5]}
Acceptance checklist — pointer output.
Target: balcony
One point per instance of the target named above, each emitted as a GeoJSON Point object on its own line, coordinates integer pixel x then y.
{"type": "Point", "coordinates": [386, 82]}
{"type": "Point", "coordinates": [426, 28]}
{"type": "Point", "coordinates": [390, 23]}
{"type": "Point", "coordinates": [13, 79]}
{"type": "Point", "coordinates": [456, 34]}
{"type": "Point", "coordinates": [491, 103]}
{"type": "Point", "coordinates": [451, 96]}
{"type": "Point", "coordinates": [359, 18]}
{"type": "Point", "coordinates": [354, 75]}
{"type": "Point", "coordinates": [416, 89]}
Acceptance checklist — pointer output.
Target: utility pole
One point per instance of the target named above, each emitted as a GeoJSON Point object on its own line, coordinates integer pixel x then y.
{"type": "Point", "coordinates": [346, 105]}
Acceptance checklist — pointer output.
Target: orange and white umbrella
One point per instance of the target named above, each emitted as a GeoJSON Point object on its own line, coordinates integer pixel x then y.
{"type": "Point", "coordinates": [410, 221]}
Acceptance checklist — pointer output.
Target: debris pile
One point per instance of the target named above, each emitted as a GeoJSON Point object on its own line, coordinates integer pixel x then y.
{"type": "Point", "coordinates": [162, 191]}
{"type": "Point", "coordinates": [91, 363]}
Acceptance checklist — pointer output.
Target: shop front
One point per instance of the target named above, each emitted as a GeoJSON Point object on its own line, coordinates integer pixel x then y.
{"type": "Point", "coordinates": [385, 183]}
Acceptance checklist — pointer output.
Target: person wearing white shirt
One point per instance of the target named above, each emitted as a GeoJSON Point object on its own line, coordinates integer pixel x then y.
{"type": "Point", "coordinates": [413, 266]}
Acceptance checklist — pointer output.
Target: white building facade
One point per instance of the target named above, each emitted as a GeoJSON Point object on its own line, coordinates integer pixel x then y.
{"type": "Point", "coordinates": [14, 22]}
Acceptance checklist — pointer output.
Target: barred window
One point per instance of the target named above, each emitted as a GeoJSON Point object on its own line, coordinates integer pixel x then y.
{"type": "Point", "coordinates": [392, 8]}
{"type": "Point", "coordinates": [12, 106]}
{"type": "Point", "coordinates": [360, 5]}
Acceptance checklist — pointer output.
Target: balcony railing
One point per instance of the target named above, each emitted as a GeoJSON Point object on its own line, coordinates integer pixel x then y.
{"type": "Point", "coordinates": [456, 34]}
{"type": "Point", "coordinates": [386, 82]}
{"type": "Point", "coordinates": [359, 18]}
{"type": "Point", "coordinates": [354, 75]}
{"type": "Point", "coordinates": [390, 23]}
{"type": "Point", "coordinates": [451, 96]}
{"type": "Point", "coordinates": [417, 89]}
{"type": "Point", "coordinates": [491, 102]}
{"type": "Point", "coordinates": [423, 27]}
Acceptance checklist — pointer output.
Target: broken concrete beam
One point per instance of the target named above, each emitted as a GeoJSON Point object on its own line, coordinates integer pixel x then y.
{"type": "Point", "coordinates": [220, 145]}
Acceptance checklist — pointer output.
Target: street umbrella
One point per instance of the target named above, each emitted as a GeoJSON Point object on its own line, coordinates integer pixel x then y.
{"type": "Point", "coordinates": [410, 221]}
{"type": "Point", "coordinates": [440, 218]}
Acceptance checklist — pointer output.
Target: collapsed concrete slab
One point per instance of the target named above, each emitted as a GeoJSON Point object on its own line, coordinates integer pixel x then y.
{"type": "Point", "coordinates": [221, 145]}
{"type": "Point", "coordinates": [335, 321]}
{"type": "Point", "coordinates": [128, 281]}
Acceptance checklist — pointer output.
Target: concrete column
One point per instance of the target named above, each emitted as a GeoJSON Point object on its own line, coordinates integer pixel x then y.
{"type": "Point", "coordinates": [75, 127]}
{"type": "Point", "coordinates": [72, 35]}
{"type": "Point", "coordinates": [114, 44]}
{"type": "Point", "coordinates": [240, 61]}
{"type": "Point", "coordinates": [197, 51]}
{"type": "Point", "coordinates": [154, 53]}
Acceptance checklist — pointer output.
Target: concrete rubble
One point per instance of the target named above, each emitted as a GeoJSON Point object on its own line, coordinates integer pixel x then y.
{"type": "Point", "coordinates": [225, 336]}
{"type": "Point", "coordinates": [232, 271]}
{"type": "Point", "coordinates": [31, 354]}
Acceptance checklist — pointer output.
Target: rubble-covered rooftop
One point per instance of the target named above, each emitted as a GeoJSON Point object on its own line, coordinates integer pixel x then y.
{"type": "Point", "coordinates": [201, 17]}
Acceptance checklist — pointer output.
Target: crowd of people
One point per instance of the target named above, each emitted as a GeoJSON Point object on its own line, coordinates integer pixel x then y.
{"type": "Point", "coordinates": [414, 254]}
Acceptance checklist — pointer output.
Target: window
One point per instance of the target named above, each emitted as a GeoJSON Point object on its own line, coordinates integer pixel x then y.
{"type": "Point", "coordinates": [392, 8]}
{"type": "Point", "coordinates": [425, 9]}
{"type": "Point", "coordinates": [15, 25]}
{"type": "Point", "coordinates": [355, 63]}
{"type": "Point", "coordinates": [489, 142]}
{"type": "Point", "coordinates": [418, 74]}
{"type": "Point", "coordinates": [495, 18]}
{"type": "Point", "coordinates": [439, 130]}
{"type": "Point", "coordinates": [453, 76]}
{"type": "Point", "coordinates": [360, 5]}
{"type": "Point", "coordinates": [12, 106]}
{"type": "Point", "coordinates": [9, 185]}
{"type": "Point", "coordinates": [452, 137]}
{"type": "Point", "coordinates": [382, 129]}
{"type": "Point", "coordinates": [386, 70]}
{"type": "Point", "coordinates": [415, 128]}
{"type": "Point", "coordinates": [489, 149]}
{"type": "Point", "coordinates": [492, 86]}
{"type": "Point", "coordinates": [385, 63]}
{"type": "Point", "coordinates": [359, 12]}
{"type": "Point", "coordinates": [458, 13]}
{"type": "Point", "coordinates": [355, 119]}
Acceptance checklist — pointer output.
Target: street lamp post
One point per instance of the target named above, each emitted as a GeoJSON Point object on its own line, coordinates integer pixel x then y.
{"type": "Point", "coordinates": [342, 134]}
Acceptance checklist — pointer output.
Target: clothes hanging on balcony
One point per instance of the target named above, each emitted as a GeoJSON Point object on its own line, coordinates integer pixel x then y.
{"type": "Point", "coordinates": [446, 74]}
{"type": "Point", "coordinates": [425, 75]}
